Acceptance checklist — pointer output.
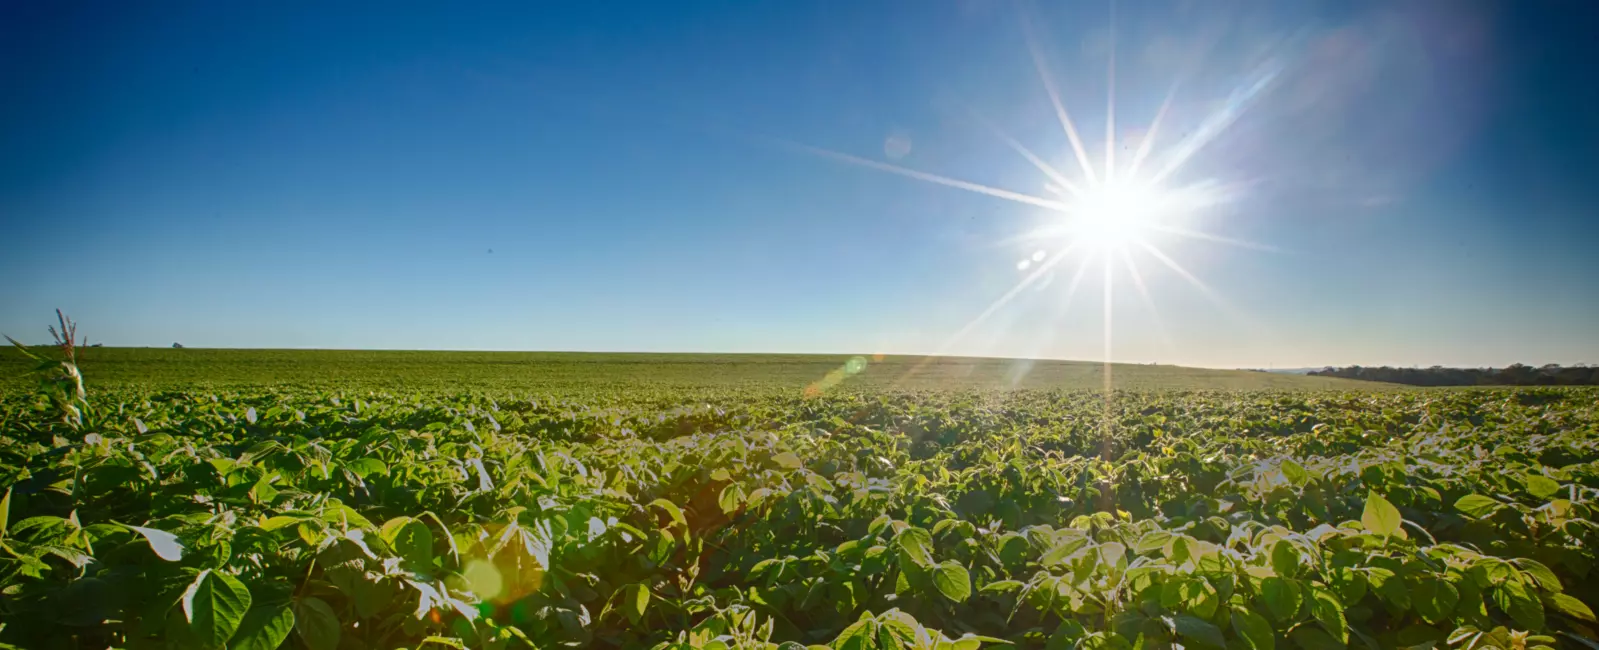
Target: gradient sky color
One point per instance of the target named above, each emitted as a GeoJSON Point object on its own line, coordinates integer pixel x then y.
{"type": "Point", "coordinates": [635, 176]}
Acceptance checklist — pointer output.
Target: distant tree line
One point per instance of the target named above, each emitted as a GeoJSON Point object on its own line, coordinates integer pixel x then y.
{"type": "Point", "coordinates": [1515, 375]}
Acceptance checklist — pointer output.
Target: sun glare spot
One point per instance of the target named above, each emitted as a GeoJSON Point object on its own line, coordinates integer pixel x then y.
{"type": "Point", "coordinates": [1114, 215]}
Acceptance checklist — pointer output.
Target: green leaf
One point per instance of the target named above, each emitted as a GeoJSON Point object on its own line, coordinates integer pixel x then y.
{"type": "Point", "coordinates": [1192, 594]}
{"type": "Point", "coordinates": [1540, 573]}
{"type": "Point", "coordinates": [788, 460]}
{"type": "Point", "coordinates": [412, 540]}
{"type": "Point", "coordinates": [316, 624]}
{"type": "Point", "coordinates": [1513, 599]}
{"type": "Point", "coordinates": [1295, 473]}
{"type": "Point", "coordinates": [953, 581]}
{"type": "Point", "coordinates": [1284, 559]}
{"type": "Point", "coordinates": [1310, 638]}
{"type": "Point", "coordinates": [1062, 550]}
{"type": "Point", "coordinates": [1254, 629]}
{"type": "Point", "coordinates": [731, 498]}
{"type": "Point", "coordinates": [1541, 486]}
{"type": "Point", "coordinates": [1380, 516]}
{"type": "Point", "coordinates": [1112, 553]}
{"type": "Point", "coordinates": [5, 512]}
{"type": "Point", "coordinates": [635, 599]}
{"type": "Point", "coordinates": [672, 511]}
{"type": "Point", "coordinates": [896, 629]}
{"type": "Point", "coordinates": [1198, 629]}
{"type": "Point", "coordinates": [1330, 612]}
{"type": "Point", "coordinates": [366, 467]}
{"type": "Point", "coordinates": [165, 544]}
{"type": "Point", "coordinates": [1477, 505]}
{"type": "Point", "coordinates": [1434, 599]}
{"type": "Point", "coordinates": [280, 521]}
{"type": "Point", "coordinates": [1001, 586]}
{"type": "Point", "coordinates": [1569, 606]}
{"type": "Point", "coordinates": [370, 596]}
{"type": "Point", "coordinates": [862, 635]}
{"type": "Point", "coordinates": [1282, 596]}
{"type": "Point", "coordinates": [916, 544]}
{"type": "Point", "coordinates": [1393, 590]}
{"type": "Point", "coordinates": [263, 628]}
{"type": "Point", "coordinates": [214, 604]}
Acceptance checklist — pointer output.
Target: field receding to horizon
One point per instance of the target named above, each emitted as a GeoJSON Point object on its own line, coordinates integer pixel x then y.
{"type": "Point", "coordinates": [343, 500]}
{"type": "Point", "coordinates": [585, 371]}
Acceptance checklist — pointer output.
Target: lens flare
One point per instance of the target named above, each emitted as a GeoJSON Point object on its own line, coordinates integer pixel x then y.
{"type": "Point", "coordinates": [1104, 213]}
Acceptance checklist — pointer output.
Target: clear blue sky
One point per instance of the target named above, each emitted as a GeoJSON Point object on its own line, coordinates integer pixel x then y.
{"type": "Point", "coordinates": [298, 174]}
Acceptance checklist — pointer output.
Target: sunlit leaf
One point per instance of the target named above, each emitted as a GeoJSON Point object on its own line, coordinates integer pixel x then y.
{"type": "Point", "coordinates": [1380, 516]}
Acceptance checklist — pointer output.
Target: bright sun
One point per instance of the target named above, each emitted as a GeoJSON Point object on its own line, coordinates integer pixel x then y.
{"type": "Point", "coordinates": [1114, 214]}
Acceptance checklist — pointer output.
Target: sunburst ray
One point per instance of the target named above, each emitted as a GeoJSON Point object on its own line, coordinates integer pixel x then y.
{"type": "Point", "coordinates": [969, 186]}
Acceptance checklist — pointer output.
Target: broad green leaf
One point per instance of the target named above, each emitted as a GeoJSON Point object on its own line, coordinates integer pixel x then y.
{"type": "Point", "coordinates": [952, 580]}
{"type": "Point", "coordinates": [165, 544]}
{"type": "Point", "coordinates": [214, 604]}
{"type": "Point", "coordinates": [371, 596]}
{"type": "Point", "coordinates": [1393, 590]}
{"type": "Point", "coordinates": [412, 540]}
{"type": "Point", "coordinates": [1152, 541]}
{"type": "Point", "coordinates": [1295, 473]}
{"type": "Point", "coordinates": [1514, 599]}
{"type": "Point", "coordinates": [1539, 573]}
{"type": "Point", "coordinates": [788, 460]}
{"type": "Point", "coordinates": [1198, 629]}
{"type": "Point", "coordinates": [1285, 559]}
{"type": "Point", "coordinates": [366, 467]}
{"type": "Point", "coordinates": [1310, 638]}
{"type": "Point", "coordinates": [1112, 553]}
{"type": "Point", "coordinates": [1434, 599]}
{"type": "Point", "coordinates": [916, 544]}
{"type": "Point", "coordinates": [1192, 594]}
{"type": "Point", "coordinates": [316, 623]}
{"type": "Point", "coordinates": [1541, 486]}
{"type": "Point", "coordinates": [1062, 550]}
{"type": "Point", "coordinates": [731, 499]}
{"type": "Point", "coordinates": [1282, 596]}
{"type": "Point", "coordinates": [1254, 629]}
{"type": "Point", "coordinates": [672, 511]}
{"type": "Point", "coordinates": [1066, 635]}
{"type": "Point", "coordinates": [862, 635]}
{"type": "Point", "coordinates": [1380, 516]}
{"type": "Point", "coordinates": [1330, 612]}
{"type": "Point", "coordinates": [280, 521]}
{"type": "Point", "coordinates": [1569, 606]}
{"type": "Point", "coordinates": [263, 628]}
{"type": "Point", "coordinates": [1477, 505]}
{"type": "Point", "coordinates": [897, 630]}
{"type": "Point", "coordinates": [635, 600]}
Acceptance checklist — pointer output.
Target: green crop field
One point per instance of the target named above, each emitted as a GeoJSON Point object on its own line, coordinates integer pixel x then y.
{"type": "Point", "coordinates": [349, 500]}
{"type": "Point", "coordinates": [586, 372]}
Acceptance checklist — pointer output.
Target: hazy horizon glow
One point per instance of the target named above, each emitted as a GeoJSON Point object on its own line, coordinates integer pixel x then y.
{"type": "Point", "coordinates": [1331, 183]}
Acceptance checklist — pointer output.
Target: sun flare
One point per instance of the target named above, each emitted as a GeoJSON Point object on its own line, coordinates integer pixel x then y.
{"type": "Point", "coordinates": [1114, 215]}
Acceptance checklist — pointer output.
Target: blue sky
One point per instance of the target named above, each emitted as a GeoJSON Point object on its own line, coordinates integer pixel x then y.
{"type": "Point", "coordinates": [1418, 177]}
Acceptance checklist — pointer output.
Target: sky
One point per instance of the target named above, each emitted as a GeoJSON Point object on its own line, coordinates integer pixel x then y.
{"type": "Point", "coordinates": [1402, 183]}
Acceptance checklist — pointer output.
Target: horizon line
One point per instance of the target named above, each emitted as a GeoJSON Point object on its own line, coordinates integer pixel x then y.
{"type": "Point", "coordinates": [829, 354]}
